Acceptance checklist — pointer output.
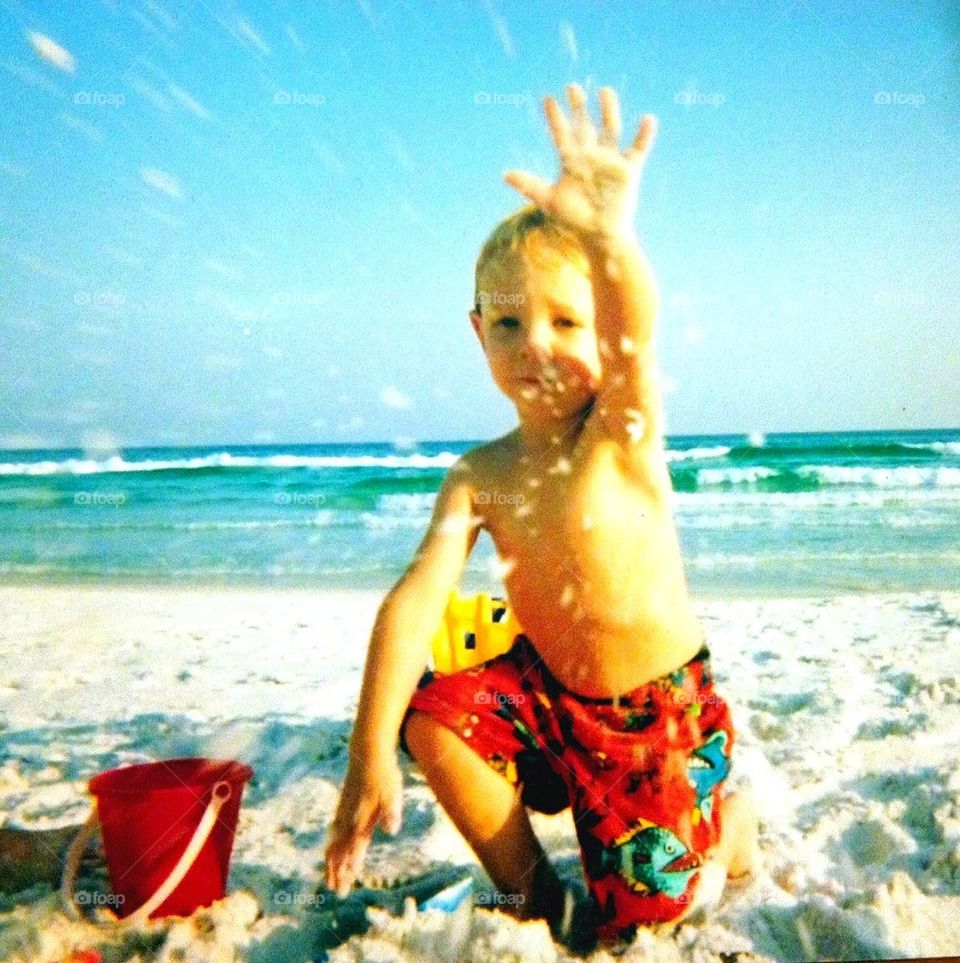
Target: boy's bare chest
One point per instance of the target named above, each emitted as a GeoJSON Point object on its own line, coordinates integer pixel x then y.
{"type": "Point", "coordinates": [563, 513]}
{"type": "Point", "coordinates": [591, 557]}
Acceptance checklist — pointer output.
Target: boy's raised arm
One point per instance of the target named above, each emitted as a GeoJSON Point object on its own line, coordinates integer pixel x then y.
{"type": "Point", "coordinates": [398, 653]}
{"type": "Point", "coordinates": [596, 196]}
{"type": "Point", "coordinates": [626, 302]}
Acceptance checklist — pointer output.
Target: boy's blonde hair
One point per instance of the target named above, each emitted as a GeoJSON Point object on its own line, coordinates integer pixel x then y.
{"type": "Point", "coordinates": [529, 232]}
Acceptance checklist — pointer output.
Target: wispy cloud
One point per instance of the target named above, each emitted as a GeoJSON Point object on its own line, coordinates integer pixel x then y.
{"type": "Point", "coordinates": [27, 441]}
{"type": "Point", "coordinates": [394, 398]}
{"type": "Point", "coordinates": [224, 270]}
{"type": "Point", "coordinates": [246, 31]}
{"type": "Point", "coordinates": [93, 134]}
{"type": "Point", "coordinates": [367, 12]}
{"type": "Point", "coordinates": [163, 182]}
{"type": "Point", "coordinates": [223, 362]}
{"type": "Point", "coordinates": [50, 51]}
{"type": "Point", "coordinates": [500, 28]}
{"type": "Point", "coordinates": [399, 149]}
{"type": "Point", "coordinates": [569, 39]}
{"type": "Point", "coordinates": [149, 93]}
{"type": "Point", "coordinates": [161, 14]}
{"type": "Point", "coordinates": [191, 103]}
{"type": "Point", "coordinates": [294, 38]}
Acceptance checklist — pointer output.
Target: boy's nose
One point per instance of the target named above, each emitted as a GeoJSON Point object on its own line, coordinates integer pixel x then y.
{"type": "Point", "coordinates": [538, 344]}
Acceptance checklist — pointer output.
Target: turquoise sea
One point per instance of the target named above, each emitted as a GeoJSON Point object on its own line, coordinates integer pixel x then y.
{"type": "Point", "coordinates": [780, 514]}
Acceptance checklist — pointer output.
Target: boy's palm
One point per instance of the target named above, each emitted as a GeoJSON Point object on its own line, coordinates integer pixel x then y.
{"type": "Point", "coordinates": [598, 185]}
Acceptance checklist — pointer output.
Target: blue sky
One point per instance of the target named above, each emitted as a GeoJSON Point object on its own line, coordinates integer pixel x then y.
{"type": "Point", "coordinates": [251, 222]}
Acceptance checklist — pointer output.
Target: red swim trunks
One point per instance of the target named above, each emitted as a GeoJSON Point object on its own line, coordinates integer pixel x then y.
{"type": "Point", "coordinates": [642, 772]}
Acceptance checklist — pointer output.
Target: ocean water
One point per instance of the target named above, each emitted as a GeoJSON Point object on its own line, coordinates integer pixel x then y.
{"type": "Point", "coordinates": [775, 515]}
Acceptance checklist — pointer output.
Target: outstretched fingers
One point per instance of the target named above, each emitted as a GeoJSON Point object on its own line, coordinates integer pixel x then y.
{"type": "Point", "coordinates": [583, 129]}
{"type": "Point", "coordinates": [646, 134]}
{"type": "Point", "coordinates": [582, 145]}
{"type": "Point", "coordinates": [535, 189]}
{"type": "Point", "coordinates": [610, 117]}
{"type": "Point", "coordinates": [558, 123]}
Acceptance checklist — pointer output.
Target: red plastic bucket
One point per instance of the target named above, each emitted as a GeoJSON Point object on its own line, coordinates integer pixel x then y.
{"type": "Point", "coordinates": [154, 816]}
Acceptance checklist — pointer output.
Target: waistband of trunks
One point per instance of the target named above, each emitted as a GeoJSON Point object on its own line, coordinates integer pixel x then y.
{"type": "Point", "coordinates": [694, 675]}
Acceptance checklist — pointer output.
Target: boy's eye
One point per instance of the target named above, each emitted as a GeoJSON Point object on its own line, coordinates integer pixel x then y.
{"type": "Point", "coordinates": [566, 323]}
{"type": "Point", "coordinates": [507, 322]}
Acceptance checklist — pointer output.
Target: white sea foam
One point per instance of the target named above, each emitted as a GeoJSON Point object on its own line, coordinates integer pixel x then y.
{"type": "Point", "coordinates": [721, 560]}
{"type": "Point", "coordinates": [837, 497]}
{"type": "Point", "coordinates": [734, 476]}
{"type": "Point", "coordinates": [828, 557]}
{"type": "Point", "coordinates": [396, 512]}
{"type": "Point", "coordinates": [407, 504]}
{"type": "Point", "coordinates": [323, 516]}
{"type": "Point", "coordinates": [902, 477]}
{"type": "Point", "coordinates": [714, 521]}
{"type": "Point", "coordinates": [89, 466]}
{"type": "Point", "coordinates": [943, 447]}
{"type": "Point", "coordinates": [698, 454]}
{"type": "Point", "coordinates": [854, 476]}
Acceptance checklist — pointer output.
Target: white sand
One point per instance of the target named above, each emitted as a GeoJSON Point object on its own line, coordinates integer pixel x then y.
{"type": "Point", "coordinates": [848, 715]}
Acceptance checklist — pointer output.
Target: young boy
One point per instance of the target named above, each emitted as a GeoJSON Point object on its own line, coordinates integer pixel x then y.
{"type": "Point", "coordinates": [606, 702]}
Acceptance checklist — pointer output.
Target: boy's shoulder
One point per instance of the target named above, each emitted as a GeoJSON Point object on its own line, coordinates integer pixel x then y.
{"type": "Point", "coordinates": [489, 465]}
{"type": "Point", "coordinates": [492, 458]}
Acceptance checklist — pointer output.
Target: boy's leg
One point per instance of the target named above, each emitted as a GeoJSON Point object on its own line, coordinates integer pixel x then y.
{"type": "Point", "coordinates": [490, 814]}
{"type": "Point", "coordinates": [736, 856]}
{"type": "Point", "coordinates": [738, 850]}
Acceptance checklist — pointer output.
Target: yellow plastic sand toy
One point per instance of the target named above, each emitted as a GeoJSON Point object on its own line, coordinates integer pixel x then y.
{"type": "Point", "coordinates": [474, 629]}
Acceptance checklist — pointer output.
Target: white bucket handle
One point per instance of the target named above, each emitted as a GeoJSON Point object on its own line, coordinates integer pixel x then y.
{"type": "Point", "coordinates": [221, 793]}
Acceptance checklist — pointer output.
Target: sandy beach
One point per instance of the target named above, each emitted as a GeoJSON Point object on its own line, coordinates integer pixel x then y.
{"type": "Point", "coordinates": [848, 718]}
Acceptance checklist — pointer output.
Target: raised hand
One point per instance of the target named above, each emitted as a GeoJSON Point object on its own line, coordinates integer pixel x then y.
{"type": "Point", "coordinates": [596, 192]}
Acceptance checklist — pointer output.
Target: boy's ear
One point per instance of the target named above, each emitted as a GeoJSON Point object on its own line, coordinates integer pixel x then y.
{"type": "Point", "coordinates": [477, 322]}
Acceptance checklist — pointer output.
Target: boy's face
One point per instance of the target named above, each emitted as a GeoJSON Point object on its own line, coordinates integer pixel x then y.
{"type": "Point", "coordinates": [536, 326]}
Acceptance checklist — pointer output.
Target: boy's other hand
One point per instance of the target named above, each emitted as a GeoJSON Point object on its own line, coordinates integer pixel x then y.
{"type": "Point", "coordinates": [596, 192]}
{"type": "Point", "coordinates": [372, 795]}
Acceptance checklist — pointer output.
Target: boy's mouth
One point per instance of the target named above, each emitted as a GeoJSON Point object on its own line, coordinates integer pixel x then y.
{"type": "Point", "coordinates": [537, 388]}
{"type": "Point", "coordinates": [547, 378]}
